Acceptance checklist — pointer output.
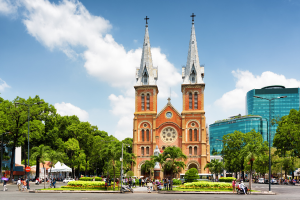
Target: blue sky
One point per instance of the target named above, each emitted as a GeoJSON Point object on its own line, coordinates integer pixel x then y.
{"type": "Point", "coordinates": [81, 55]}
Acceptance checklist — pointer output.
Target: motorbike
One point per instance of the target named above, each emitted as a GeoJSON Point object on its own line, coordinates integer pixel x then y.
{"type": "Point", "coordinates": [241, 191]}
{"type": "Point", "coordinates": [125, 188]}
{"type": "Point", "coordinates": [37, 182]}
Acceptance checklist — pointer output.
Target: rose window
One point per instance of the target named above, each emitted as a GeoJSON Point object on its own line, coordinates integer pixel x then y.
{"type": "Point", "coordinates": [168, 134]}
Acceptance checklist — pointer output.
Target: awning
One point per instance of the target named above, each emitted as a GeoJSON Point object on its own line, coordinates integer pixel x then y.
{"type": "Point", "coordinates": [60, 167]}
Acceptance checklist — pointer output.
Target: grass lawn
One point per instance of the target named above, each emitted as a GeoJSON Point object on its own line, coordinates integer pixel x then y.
{"type": "Point", "coordinates": [78, 189]}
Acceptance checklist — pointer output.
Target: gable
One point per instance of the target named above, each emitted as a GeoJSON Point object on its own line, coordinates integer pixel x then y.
{"type": "Point", "coordinates": [163, 118]}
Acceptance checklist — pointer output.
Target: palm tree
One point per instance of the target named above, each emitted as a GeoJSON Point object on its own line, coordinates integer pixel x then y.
{"type": "Point", "coordinates": [43, 153]}
{"type": "Point", "coordinates": [54, 157]}
{"type": "Point", "coordinates": [215, 167]}
{"type": "Point", "coordinates": [172, 157]}
{"type": "Point", "coordinates": [148, 166]}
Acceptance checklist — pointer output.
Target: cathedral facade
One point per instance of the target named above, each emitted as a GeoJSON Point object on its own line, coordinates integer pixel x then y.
{"type": "Point", "coordinates": [169, 127]}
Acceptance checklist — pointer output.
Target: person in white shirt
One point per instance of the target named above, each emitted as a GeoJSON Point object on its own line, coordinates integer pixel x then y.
{"type": "Point", "coordinates": [19, 184]}
{"type": "Point", "coordinates": [242, 186]}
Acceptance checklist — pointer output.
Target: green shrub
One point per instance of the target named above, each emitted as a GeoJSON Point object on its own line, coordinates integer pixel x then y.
{"type": "Point", "coordinates": [137, 181]}
{"type": "Point", "coordinates": [98, 179]}
{"type": "Point", "coordinates": [86, 185]}
{"type": "Point", "coordinates": [227, 179]}
{"type": "Point", "coordinates": [177, 182]}
{"type": "Point", "coordinates": [85, 179]}
{"type": "Point", "coordinates": [191, 175]}
{"type": "Point", "coordinates": [207, 185]}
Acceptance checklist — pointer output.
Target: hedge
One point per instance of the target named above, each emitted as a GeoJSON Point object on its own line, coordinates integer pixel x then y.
{"type": "Point", "coordinates": [90, 179]}
{"type": "Point", "coordinates": [177, 182]}
{"type": "Point", "coordinates": [226, 179]}
{"type": "Point", "coordinates": [207, 185]}
{"type": "Point", "coordinates": [86, 185]}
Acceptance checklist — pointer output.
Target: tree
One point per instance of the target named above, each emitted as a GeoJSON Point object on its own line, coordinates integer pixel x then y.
{"type": "Point", "coordinates": [54, 157]}
{"type": "Point", "coordinates": [14, 119]}
{"type": "Point", "coordinates": [148, 166]}
{"type": "Point", "coordinates": [43, 153]}
{"type": "Point", "coordinates": [172, 157]}
{"type": "Point", "coordinates": [191, 175]}
{"type": "Point", "coordinates": [215, 166]}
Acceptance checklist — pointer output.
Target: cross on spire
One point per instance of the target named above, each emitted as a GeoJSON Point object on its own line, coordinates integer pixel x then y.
{"type": "Point", "coordinates": [192, 16]}
{"type": "Point", "coordinates": [146, 19]}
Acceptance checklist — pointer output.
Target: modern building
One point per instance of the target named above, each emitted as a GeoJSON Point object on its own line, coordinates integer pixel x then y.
{"type": "Point", "coordinates": [169, 127]}
{"type": "Point", "coordinates": [279, 107]}
{"type": "Point", "coordinates": [235, 123]}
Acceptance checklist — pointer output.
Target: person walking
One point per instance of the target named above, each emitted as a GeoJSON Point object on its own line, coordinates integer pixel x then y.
{"type": "Point", "coordinates": [140, 182]}
{"type": "Point", "coordinates": [143, 182]}
{"type": "Point", "coordinates": [165, 184]}
{"type": "Point", "coordinates": [19, 184]}
{"type": "Point", "coordinates": [233, 185]}
{"type": "Point", "coordinates": [54, 182]}
{"type": "Point", "coordinates": [4, 186]}
{"type": "Point", "coordinates": [24, 185]}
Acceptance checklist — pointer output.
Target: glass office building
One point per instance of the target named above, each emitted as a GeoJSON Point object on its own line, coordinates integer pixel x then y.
{"type": "Point", "coordinates": [279, 107]}
{"type": "Point", "coordinates": [236, 123]}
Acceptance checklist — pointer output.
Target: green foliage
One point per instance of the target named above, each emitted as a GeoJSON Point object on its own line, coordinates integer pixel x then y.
{"type": "Point", "coordinates": [98, 179]}
{"type": "Point", "coordinates": [207, 185]}
{"type": "Point", "coordinates": [129, 174]}
{"type": "Point", "coordinates": [215, 166]}
{"type": "Point", "coordinates": [226, 179]}
{"type": "Point", "coordinates": [177, 182]}
{"type": "Point", "coordinates": [86, 179]}
{"type": "Point", "coordinates": [191, 175]}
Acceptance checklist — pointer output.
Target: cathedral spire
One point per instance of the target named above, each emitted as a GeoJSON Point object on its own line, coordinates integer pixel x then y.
{"type": "Point", "coordinates": [193, 73]}
{"type": "Point", "coordinates": [146, 74]}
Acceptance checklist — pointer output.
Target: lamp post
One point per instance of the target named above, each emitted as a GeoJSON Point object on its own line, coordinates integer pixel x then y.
{"type": "Point", "coordinates": [28, 105]}
{"type": "Point", "coordinates": [2, 153]}
{"type": "Point", "coordinates": [269, 133]}
{"type": "Point", "coordinates": [122, 165]}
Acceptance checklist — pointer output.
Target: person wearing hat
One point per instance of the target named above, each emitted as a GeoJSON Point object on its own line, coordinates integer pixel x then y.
{"type": "Point", "coordinates": [242, 186]}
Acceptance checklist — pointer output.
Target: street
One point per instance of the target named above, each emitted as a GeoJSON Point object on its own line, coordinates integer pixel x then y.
{"type": "Point", "coordinates": [283, 192]}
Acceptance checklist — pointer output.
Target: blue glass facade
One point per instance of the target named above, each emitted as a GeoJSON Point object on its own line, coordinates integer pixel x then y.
{"type": "Point", "coordinates": [279, 107]}
{"type": "Point", "coordinates": [244, 124]}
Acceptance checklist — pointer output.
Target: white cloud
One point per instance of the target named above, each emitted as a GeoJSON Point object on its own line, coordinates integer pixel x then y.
{"type": "Point", "coordinates": [69, 109]}
{"type": "Point", "coordinates": [3, 85]}
{"type": "Point", "coordinates": [235, 99]}
{"type": "Point", "coordinates": [7, 7]}
{"type": "Point", "coordinates": [69, 24]}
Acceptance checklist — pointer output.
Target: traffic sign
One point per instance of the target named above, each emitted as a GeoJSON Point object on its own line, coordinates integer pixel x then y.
{"type": "Point", "coordinates": [27, 169]}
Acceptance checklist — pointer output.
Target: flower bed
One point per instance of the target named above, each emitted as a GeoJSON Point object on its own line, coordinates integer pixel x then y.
{"type": "Point", "coordinates": [227, 179]}
{"type": "Point", "coordinates": [73, 185]}
{"type": "Point", "coordinates": [207, 185]}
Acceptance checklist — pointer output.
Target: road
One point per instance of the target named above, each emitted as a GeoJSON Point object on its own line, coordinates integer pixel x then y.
{"type": "Point", "coordinates": [283, 192]}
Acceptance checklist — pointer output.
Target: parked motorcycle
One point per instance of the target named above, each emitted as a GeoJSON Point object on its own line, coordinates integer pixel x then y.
{"type": "Point", "coordinates": [241, 191]}
{"type": "Point", "coordinates": [125, 188]}
{"type": "Point", "coordinates": [37, 182]}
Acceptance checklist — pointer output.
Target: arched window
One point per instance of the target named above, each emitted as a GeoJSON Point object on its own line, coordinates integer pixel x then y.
{"type": "Point", "coordinates": [147, 135]}
{"type": "Point", "coordinates": [196, 101]}
{"type": "Point", "coordinates": [190, 150]}
{"type": "Point", "coordinates": [190, 100]}
{"type": "Point", "coordinates": [191, 135]}
{"type": "Point", "coordinates": [143, 101]}
{"type": "Point", "coordinates": [193, 76]}
{"type": "Point", "coordinates": [163, 148]}
{"type": "Point", "coordinates": [143, 135]}
{"type": "Point", "coordinates": [145, 78]}
{"type": "Point", "coordinates": [148, 101]}
{"type": "Point", "coordinates": [142, 151]}
{"type": "Point", "coordinates": [147, 150]}
{"type": "Point", "coordinates": [195, 135]}
{"type": "Point", "coordinates": [195, 151]}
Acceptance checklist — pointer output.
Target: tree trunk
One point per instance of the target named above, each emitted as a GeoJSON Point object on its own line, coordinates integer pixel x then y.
{"type": "Point", "coordinates": [250, 181]}
{"type": "Point", "coordinates": [44, 176]}
{"type": "Point", "coordinates": [86, 167]}
{"type": "Point", "coordinates": [12, 162]}
{"type": "Point", "coordinates": [37, 173]}
{"type": "Point", "coordinates": [78, 171]}
{"type": "Point", "coordinates": [114, 176]}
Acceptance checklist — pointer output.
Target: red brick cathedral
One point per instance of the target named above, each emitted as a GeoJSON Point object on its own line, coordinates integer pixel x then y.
{"type": "Point", "coordinates": [169, 127]}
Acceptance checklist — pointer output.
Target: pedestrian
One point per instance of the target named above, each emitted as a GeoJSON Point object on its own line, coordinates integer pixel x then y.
{"type": "Point", "coordinates": [24, 185]}
{"type": "Point", "coordinates": [143, 182]}
{"type": "Point", "coordinates": [233, 185]}
{"type": "Point", "coordinates": [54, 181]}
{"type": "Point", "coordinates": [19, 184]}
{"type": "Point", "coordinates": [165, 184]}
{"type": "Point", "coordinates": [130, 182]}
{"type": "Point", "coordinates": [140, 182]}
{"type": "Point", "coordinates": [133, 182]}
{"type": "Point", "coordinates": [4, 186]}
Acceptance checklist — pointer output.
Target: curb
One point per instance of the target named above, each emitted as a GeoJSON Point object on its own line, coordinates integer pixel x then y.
{"type": "Point", "coordinates": [227, 193]}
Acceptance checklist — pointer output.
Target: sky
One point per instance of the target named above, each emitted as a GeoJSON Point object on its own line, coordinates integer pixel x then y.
{"type": "Point", "coordinates": [81, 56]}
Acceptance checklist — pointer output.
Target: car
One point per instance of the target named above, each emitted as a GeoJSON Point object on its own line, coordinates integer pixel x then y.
{"type": "Point", "coordinates": [273, 181]}
{"type": "Point", "coordinates": [66, 180]}
{"type": "Point", "coordinates": [261, 180]}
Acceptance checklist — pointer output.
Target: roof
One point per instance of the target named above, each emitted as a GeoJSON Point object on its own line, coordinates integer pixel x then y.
{"type": "Point", "coordinates": [273, 86]}
{"type": "Point", "coordinates": [168, 104]}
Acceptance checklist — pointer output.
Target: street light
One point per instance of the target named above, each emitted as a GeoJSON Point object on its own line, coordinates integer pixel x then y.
{"type": "Point", "coordinates": [122, 165]}
{"type": "Point", "coordinates": [28, 105]}
{"type": "Point", "coordinates": [2, 153]}
{"type": "Point", "coordinates": [269, 133]}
